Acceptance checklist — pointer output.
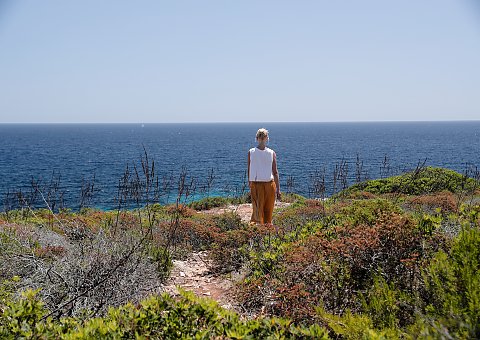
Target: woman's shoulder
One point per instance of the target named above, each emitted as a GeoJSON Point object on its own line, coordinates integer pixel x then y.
{"type": "Point", "coordinates": [270, 150]}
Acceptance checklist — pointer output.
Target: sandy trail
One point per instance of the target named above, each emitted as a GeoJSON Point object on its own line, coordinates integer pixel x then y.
{"type": "Point", "coordinates": [243, 210]}
{"type": "Point", "coordinates": [193, 274]}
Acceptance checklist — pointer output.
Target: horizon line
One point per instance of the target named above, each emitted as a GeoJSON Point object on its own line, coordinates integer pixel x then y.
{"type": "Point", "coordinates": [249, 122]}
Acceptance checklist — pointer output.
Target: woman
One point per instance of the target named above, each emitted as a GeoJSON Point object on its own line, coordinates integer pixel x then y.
{"type": "Point", "coordinates": [263, 179]}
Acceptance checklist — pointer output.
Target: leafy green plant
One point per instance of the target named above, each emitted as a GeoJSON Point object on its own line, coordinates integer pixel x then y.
{"type": "Point", "coordinates": [367, 212]}
{"type": "Point", "coordinates": [158, 317]}
{"type": "Point", "coordinates": [360, 258]}
{"type": "Point", "coordinates": [387, 306]}
{"type": "Point", "coordinates": [293, 198]}
{"type": "Point", "coordinates": [8, 288]}
{"type": "Point", "coordinates": [425, 181]}
{"type": "Point", "coordinates": [20, 318]}
{"type": "Point", "coordinates": [209, 203]}
{"type": "Point", "coordinates": [428, 223]}
{"type": "Point", "coordinates": [332, 260]}
{"type": "Point", "coordinates": [471, 213]}
{"type": "Point", "coordinates": [452, 282]}
{"type": "Point", "coordinates": [228, 221]}
{"type": "Point", "coordinates": [161, 257]}
{"type": "Point", "coordinates": [355, 326]}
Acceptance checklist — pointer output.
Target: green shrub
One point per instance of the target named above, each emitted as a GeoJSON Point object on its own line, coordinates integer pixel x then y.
{"type": "Point", "coordinates": [367, 212]}
{"type": "Point", "coordinates": [387, 306]}
{"type": "Point", "coordinates": [297, 215]}
{"type": "Point", "coordinates": [428, 223]}
{"type": "Point", "coordinates": [295, 199]}
{"type": "Point", "coordinates": [452, 282]}
{"type": "Point", "coordinates": [209, 203]}
{"type": "Point", "coordinates": [228, 221]}
{"type": "Point", "coordinates": [158, 317]}
{"type": "Point", "coordinates": [426, 181]}
{"type": "Point", "coordinates": [332, 264]}
{"type": "Point", "coordinates": [162, 259]}
{"type": "Point", "coordinates": [19, 319]}
{"type": "Point", "coordinates": [355, 326]}
{"type": "Point", "coordinates": [7, 289]}
{"type": "Point", "coordinates": [471, 213]}
{"type": "Point", "coordinates": [232, 247]}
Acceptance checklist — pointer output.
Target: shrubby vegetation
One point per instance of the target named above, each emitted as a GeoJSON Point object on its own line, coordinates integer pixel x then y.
{"type": "Point", "coordinates": [392, 258]}
{"type": "Point", "coordinates": [158, 317]}
{"type": "Point", "coordinates": [376, 263]}
{"type": "Point", "coordinates": [83, 263]}
{"type": "Point", "coordinates": [209, 203]}
{"type": "Point", "coordinates": [424, 180]}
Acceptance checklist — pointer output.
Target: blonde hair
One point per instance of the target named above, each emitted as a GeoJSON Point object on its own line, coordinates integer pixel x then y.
{"type": "Point", "coordinates": [262, 133]}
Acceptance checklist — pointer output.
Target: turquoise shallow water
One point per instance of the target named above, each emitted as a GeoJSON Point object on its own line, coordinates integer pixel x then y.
{"type": "Point", "coordinates": [76, 152]}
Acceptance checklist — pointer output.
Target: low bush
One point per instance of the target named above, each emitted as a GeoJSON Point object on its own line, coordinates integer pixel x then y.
{"type": "Point", "coordinates": [355, 326]}
{"type": "Point", "coordinates": [232, 248]}
{"type": "Point", "coordinates": [187, 234]}
{"type": "Point", "coordinates": [471, 213]}
{"type": "Point", "coordinates": [425, 181]}
{"type": "Point", "coordinates": [366, 212]}
{"type": "Point", "coordinates": [294, 217]}
{"type": "Point", "coordinates": [359, 195]}
{"type": "Point", "coordinates": [228, 221]}
{"type": "Point", "coordinates": [446, 304]}
{"type": "Point", "coordinates": [160, 257]}
{"type": "Point", "coordinates": [158, 317]}
{"type": "Point", "coordinates": [182, 210]}
{"type": "Point", "coordinates": [293, 198]}
{"type": "Point", "coordinates": [387, 306]}
{"type": "Point", "coordinates": [335, 263]}
{"type": "Point", "coordinates": [209, 203]}
{"type": "Point", "coordinates": [366, 264]}
{"type": "Point", "coordinates": [95, 271]}
{"type": "Point", "coordinates": [452, 283]}
{"type": "Point", "coordinates": [444, 201]}
{"type": "Point", "coordinates": [427, 224]}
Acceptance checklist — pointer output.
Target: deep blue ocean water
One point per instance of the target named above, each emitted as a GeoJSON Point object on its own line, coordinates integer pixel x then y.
{"type": "Point", "coordinates": [77, 151]}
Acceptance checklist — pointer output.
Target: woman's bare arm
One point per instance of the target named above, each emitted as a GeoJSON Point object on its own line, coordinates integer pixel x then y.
{"type": "Point", "coordinates": [275, 175]}
{"type": "Point", "coordinates": [248, 169]}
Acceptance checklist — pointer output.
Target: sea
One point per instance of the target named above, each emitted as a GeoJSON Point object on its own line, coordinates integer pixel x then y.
{"type": "Point", "coordinates": [82, 165]}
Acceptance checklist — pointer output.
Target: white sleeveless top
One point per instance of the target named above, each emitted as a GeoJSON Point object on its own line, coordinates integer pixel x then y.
{"type": "Point", "coordinates": [261, 165]}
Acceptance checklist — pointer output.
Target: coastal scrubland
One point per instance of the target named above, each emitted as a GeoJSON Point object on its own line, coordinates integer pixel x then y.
{"type": "Point", "coordinates": [396, 257]}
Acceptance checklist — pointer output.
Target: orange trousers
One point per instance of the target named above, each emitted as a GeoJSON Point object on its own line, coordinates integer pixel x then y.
{"type": "Point", "coordinates": [263, 201]}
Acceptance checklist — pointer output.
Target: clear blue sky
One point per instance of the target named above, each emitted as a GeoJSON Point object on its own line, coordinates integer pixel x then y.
{"type": "Point", "coordinates": [239, 61]}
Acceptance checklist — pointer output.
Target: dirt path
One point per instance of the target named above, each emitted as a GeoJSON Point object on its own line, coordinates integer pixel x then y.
{"type": "Point", "coordinates": [243, 210]}
{"type": "Point", "coordinates": [193, 274]}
